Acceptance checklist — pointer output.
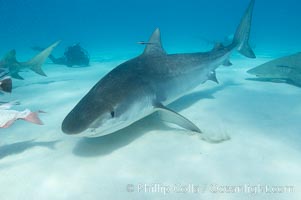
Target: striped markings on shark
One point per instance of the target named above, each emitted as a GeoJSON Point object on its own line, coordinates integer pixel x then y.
{"type": "Point", "coordinates": [148, 83]}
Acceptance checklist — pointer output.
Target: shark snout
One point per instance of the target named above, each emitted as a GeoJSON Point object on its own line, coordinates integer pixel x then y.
{"type": "Point", "coordinates": [73, 125]}
{"type": "Point", "coordinates": [252, 71]}
{"type": "Point", "coordinates": [255, 71]}
{"type": "Point", "coordinates": [69, 128]}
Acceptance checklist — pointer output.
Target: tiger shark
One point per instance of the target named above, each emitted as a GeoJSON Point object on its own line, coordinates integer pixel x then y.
{"type": "Point", "coordinates": [10, 64]}
{"type": "Point", "coordinates": [149, 82]}
{"type": "Point", "coordinates": [286, 69]}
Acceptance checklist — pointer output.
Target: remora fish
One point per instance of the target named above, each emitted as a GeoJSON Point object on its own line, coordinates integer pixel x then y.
{"type": "Point", "coordinates": [10, 62]}
{"type": "Point", "coordinates": [8, 117]}
{"type": "Point", "coordinates": [282, 70]}
{"type": "Point", "coordinates": [145, 84]}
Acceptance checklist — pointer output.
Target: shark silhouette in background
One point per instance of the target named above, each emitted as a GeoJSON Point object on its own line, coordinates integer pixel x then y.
{"type": "Point", "coordinates": [10, 64]}
{"type": "Point", "coordinates": [286, 69]}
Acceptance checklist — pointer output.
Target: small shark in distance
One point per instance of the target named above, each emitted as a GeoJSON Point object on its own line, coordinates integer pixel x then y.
{"type": "Point", "coordinates": [10, 63]}
{"type": "Point", "coordinates": [149, 82]}
{"type": "Point", "coordinates": [282, 70]}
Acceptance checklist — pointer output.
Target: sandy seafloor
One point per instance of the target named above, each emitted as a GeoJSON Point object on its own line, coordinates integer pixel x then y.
{"type": "Point", "coordinates": [262, 119]}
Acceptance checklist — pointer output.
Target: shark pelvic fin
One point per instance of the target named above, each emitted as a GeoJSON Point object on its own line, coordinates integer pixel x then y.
{"type": "Point", "coordinates": [173, 117]}
{"type": "Point", "coordinates": [154, 45]}
{"type": "Point", "coordinates": [212, 77]}
{"type": "Point", "coordinates": [227, 63]}
{"type": "Point", "coordinates": [36, 62]}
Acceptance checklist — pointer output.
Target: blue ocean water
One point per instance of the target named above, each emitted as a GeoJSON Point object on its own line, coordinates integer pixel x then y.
{"type": "Point", "coordinates": [262, 119]}
{"type": "Point", "coordinates": [116, 25]}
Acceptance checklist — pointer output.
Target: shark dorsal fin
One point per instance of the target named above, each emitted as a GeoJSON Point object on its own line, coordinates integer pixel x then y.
{"type": "Point", "coordinates": [10, 57]}
{"type": "Point", "coordinates": [154, 45]}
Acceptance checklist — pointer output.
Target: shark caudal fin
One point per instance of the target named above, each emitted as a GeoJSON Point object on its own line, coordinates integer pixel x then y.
{"type": "Point", "coordinates": [35, 64]}
{"type": "Point", "coordinates": [242, 35]}
{"type": "Point", "coordinates": [6, 85]}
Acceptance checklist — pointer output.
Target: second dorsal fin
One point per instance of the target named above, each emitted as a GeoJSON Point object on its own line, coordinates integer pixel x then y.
{"type": "Point", "coordinates": [218, 46]}
{"type": "Point", "coordinates": [154, 45]}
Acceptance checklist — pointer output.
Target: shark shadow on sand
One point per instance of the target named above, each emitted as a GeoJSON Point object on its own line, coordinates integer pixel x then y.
{"type": "Point", "coordinates": [20, 147]}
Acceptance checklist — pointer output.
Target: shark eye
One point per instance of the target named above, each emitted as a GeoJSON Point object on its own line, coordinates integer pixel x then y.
{"type": "Point", "coordinates": [112, 114]}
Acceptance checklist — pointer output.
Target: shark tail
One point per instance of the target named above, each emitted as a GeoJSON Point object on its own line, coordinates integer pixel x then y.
{"type": "Point", "coordinates": [35, 64]}
{"type": "Point", "coordinates": [6, 85]}
{"type": "Point", "coordinates": [242, 35]}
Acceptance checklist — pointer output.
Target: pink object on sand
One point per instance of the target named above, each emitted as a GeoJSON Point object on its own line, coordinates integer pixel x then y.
{"type": "Point", "coordinates": [33, 118]}
{"type": "Point", "coordinates": [8, 117]}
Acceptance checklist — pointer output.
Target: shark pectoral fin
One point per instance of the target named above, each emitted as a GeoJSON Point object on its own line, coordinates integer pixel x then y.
{"type": "Point", "coordinates": [212, 77]}
{"type": "Point", "coordinates": [173, 117]}
{"type": "Point", "coordinates": [17, 76]}
{"type": "Point", "coordinates": [227, 63]}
